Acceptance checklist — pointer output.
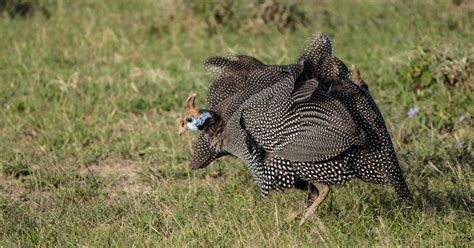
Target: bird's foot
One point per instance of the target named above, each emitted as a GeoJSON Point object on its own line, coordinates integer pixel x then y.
{"type": "Point", "coordinates": [292, 215]}
{"type": "Point", "coordinates": [307, 215]}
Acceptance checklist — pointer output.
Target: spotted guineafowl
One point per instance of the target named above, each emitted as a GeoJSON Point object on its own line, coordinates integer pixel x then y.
{"type": "Point", "coordinates": [310, 123]}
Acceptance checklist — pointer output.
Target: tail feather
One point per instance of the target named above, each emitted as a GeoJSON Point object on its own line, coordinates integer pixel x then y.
{"type": "Point", "coordinates": [397, 181]}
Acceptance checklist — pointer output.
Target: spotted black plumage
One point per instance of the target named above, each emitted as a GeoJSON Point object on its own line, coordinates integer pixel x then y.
{"type": "Point", "coordinates": [312, 121]}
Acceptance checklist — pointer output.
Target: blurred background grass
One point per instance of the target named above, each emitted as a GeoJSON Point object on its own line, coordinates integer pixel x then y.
{"type": "Point", "coordinates": [90, 90]}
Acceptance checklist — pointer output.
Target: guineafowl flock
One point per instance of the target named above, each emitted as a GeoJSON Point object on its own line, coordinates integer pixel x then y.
{"type": "Point", "coordinates": [309, 125]}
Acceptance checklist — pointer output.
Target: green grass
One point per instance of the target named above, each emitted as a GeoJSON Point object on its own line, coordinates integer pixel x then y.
{"type": "Point", "coordinates": [89, 151]}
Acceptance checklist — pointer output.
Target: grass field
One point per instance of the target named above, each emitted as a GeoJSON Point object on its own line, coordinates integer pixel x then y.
{"type": "Point", "coordinates": [89, 150]}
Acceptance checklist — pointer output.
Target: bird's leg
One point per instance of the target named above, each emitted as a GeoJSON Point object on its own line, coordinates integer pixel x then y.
{"type": "Point", "coordinates": [323, 192]}
{"type": "Point", "coordinates": [313, 193]}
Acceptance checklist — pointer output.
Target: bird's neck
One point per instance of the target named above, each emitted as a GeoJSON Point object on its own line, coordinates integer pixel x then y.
{"type": "Point", "coordinates": [216, 136]}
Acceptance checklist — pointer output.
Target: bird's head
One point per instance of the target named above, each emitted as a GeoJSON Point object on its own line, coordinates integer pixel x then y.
{"type": "Point", "coordinates": [197, 119]}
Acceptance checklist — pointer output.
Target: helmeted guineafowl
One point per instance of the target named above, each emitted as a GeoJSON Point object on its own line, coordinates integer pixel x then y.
{"type": "Point", "coordinates": [312, 122]}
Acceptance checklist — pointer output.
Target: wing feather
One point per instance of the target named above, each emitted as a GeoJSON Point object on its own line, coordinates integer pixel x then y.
{"type": "Point", "coordinates": [316, 130]}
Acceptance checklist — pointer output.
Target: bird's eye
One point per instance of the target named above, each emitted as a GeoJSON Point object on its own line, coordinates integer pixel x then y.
{"type": "Point", "coordinates": [189, 119]}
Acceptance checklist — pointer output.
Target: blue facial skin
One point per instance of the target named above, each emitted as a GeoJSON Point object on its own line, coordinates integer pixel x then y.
{"type": "Point", "coordinates": [197, 124]}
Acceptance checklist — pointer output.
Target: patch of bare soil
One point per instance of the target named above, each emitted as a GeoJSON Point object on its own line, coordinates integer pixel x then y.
{"type": "Point", "coordinates": [13, 190]}
{"type": "Point", "coordinates": [467, 4]}
{"type": "Point", "coordinates": [124, 174]}
{"type": "Point", "coordinates": [10, 187]}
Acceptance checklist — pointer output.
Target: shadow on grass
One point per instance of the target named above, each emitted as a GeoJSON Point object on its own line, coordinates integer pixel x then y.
{"type": "Point", "coordinates": [442, 201]}
{"type": "Point", "coordinates": [434, 202]}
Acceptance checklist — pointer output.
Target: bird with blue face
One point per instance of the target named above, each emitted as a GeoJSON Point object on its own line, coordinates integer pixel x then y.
{"type": "Point", "coordinates": [201, 121]}
{"type": "Point", "coordinates": [197, 119]}
{"type": "Point", "coordinates": [310, 124]}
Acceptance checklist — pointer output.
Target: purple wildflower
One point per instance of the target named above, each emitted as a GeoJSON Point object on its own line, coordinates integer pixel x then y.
{"type": "Point", "coordinates": [459, 146]}
{"type": "Point", "coordinates": [461, 119]}
{"type": "Point", "coordinates": [412, 112]}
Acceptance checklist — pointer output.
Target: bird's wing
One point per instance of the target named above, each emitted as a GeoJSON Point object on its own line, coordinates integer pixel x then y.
{"type": "Point", "coordinates": [304, 90]}
{"type": "Point", "coordinates": [231, 73]}
{"type": "Point", "coordinates": [260, 113]}
{"type": "Point", "coordinates": [240, 77]}
{"type": "Point", "coordinates": [326, 129]}
{"type": "Point", "coordinates": [220, 65]}
{"type": "Point", "coordinates": [237, 79]}
{"type": "Point", "coordinates": [313, 130]}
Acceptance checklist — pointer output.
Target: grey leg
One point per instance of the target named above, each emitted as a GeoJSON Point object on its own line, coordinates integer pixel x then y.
{"type": "Point", "coordinates": [323, 192]}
